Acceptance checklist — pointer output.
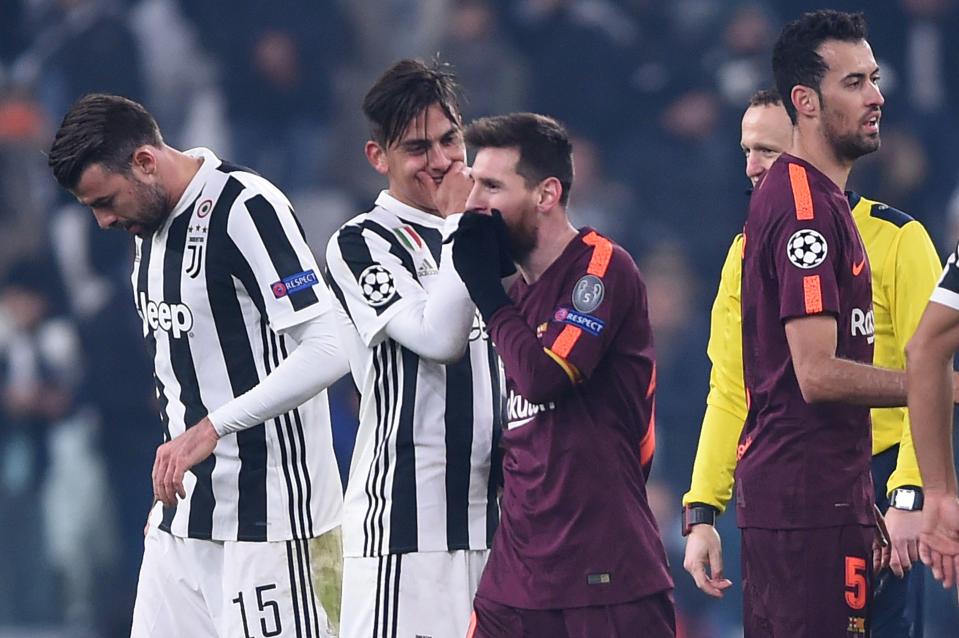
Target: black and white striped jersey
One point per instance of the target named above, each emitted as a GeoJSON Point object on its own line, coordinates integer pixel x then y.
{"type": "Point", "coordinates": [947, 290]}
{"type": "Point", "coordinates": [420, 479]}
{"type": "Point", "coordinates": [215, 286]}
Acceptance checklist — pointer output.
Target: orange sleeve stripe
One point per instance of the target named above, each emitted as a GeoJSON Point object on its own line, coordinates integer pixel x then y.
{"type": "Point", "coordinates": [567, 367]}
{"type": "Point", "coordinates": [647, 447]}
{"type": "Point", "coordinates": [802, 197]}
{"type": "Point", "coordinates": [812, 291]}
{"type": "Point", "coordinates": [652, 382]}
{"type": "Point", "coordinates": [602, 253]}
{"type": "Point", "coordinates": [471, 631]}
{"type": "Point", "coordinates": [566, 340]}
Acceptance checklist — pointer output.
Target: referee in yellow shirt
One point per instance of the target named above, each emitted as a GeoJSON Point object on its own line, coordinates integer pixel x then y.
{"type": "Point", "coordinates": [905, 268]}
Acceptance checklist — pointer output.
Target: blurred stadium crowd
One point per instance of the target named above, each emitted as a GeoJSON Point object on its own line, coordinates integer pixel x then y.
{"type": "Point", "coordinates": [653, 91]}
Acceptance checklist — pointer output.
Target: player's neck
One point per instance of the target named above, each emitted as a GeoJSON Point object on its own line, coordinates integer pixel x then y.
{"type": "Point", "coordinates": [182, 169]}
{"type": "Point", "coordinates": [812, 147]}
{"type": "Point", "coordinates": [552, 240]}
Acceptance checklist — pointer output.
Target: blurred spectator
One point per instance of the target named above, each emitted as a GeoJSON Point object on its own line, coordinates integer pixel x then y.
{"type": "Point", "coordinates": [601, 202]}
{"type": "Point", "coordinates": [741, 65]}
{"type": "Point", "coordinates": [277, 61]}
{"type": "Point", "coordinates": [492, 73]}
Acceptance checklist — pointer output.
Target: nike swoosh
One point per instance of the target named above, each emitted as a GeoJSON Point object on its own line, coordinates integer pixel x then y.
{"type": "Point", "coordinates": [857, 268]}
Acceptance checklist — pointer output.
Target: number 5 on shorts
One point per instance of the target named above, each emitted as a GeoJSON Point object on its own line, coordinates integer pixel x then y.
{"type": "Point", "coordinates": [856, 586]}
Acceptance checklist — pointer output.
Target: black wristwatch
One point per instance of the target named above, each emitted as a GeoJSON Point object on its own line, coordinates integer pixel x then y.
{"type": "Point", "coordinates": [907, 498]}
{"type": "Point", "coordinates": [697, 514]}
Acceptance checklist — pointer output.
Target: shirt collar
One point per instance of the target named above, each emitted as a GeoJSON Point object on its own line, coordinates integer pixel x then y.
{"type": "Point", "coordinates": [406, 212]}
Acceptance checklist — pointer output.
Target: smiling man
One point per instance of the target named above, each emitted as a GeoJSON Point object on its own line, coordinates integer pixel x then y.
{"type": "Point", "coordinates": [421, 497]}
{"type": "Point", "coordinates": [578, 552]}
{"type": "Point", "coordinates": [242, 335]}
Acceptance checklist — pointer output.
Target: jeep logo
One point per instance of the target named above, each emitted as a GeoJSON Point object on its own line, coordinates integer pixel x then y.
{"type": "Point", "coordinates": [175, 319]}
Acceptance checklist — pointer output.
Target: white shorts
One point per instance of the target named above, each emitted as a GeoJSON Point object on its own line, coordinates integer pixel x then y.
{"type": "Point", "coordinates": [421, 595]}
{"type": "Point", "coordinates": [215, 589]}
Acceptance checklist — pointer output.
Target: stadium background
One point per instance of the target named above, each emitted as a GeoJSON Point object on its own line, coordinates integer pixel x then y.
{"type": "Point", "coordinates": [652, 90]}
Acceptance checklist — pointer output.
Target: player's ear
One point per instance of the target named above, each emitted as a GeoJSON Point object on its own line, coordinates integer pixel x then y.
{"type": "Point", "coordinates": [144, 160]}
{"type": "Point", "coordinates": [550, 191]}
{"type": "Point", "coordinates": [376, 156]}
{"type": "Point", "coordinates": [805, 99]}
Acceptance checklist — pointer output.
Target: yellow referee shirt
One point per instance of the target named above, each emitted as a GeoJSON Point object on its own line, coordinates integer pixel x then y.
{"type": "Point", "coordinates": [905, 269]}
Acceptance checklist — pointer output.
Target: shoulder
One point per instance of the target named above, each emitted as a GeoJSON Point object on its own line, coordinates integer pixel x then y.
{"type": "Point", "coordinates": [868, 210]}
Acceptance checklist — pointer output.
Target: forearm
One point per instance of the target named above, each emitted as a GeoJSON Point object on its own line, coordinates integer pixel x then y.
{"type": "Point", "coordinates": [715, 463]}
{"type": "Point", "coordinates": [314, 365]}
{"type": "Point", "coordinates": [437, 326]}
{"type": "Point", "coordinates": [538, 377]}
{"type": "Point", "coordinates": [834, 379]}
{"type": "Point", "coordinates": [930, 412]}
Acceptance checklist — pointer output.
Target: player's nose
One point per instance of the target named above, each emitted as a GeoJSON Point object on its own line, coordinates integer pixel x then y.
{"type": "Point", "coordinates": [437, 158]}
{"type": "Point", "coordinates": [474, 201]}
{"type": "Point", "coordinates": [104, 219]}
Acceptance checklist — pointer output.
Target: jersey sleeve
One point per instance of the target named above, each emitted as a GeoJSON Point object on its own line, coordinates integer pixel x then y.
{"type": "Point", "coordinates": [807, 251]}
{"type": "Point", "coordinates": [715, 462]}
{"type": "Point", "coordinates": [592, 309]}
{"type": "Point", "coordinates": [946, 291]}
{"type": "Point", "coordinates": [372, 277]}
{"type": "Point", "coordinates": [267, 234]}
{"type": "Point", "coordinates": [915, 268]}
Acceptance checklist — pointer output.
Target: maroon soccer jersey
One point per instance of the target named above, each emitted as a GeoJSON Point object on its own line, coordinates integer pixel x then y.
{"type": "Point", "coordinates": [575, 528]}
{"type": "Point", "coordinates": [802, 465]}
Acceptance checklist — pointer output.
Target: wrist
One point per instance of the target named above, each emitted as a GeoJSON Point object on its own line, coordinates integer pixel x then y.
{"type": "Point", "coordinates": [908, 498]}
{"type": "Point", "coordinates": [698, 514]}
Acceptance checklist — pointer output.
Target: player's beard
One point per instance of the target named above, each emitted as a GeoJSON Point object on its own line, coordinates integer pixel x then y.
{"type": "Point", "coordinates": [153, 207]}
{"type": "Point", "coordinates": [523, 234]}
{"type": "Point", "coordinates": [846, 146]}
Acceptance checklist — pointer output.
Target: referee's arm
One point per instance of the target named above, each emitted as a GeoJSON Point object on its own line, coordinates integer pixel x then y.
{"type": "Point", "coordinates": [712, 479]}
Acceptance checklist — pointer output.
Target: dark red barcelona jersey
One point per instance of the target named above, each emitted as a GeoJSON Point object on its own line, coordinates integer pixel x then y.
{"type": "Point", "coordinates": [802, 465]}
{"type": "Point", "coordinates": [576, 528]}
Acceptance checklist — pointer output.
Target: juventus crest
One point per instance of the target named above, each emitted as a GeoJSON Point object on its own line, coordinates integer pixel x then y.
{"type": "Point", "coordinates": [196, 239]}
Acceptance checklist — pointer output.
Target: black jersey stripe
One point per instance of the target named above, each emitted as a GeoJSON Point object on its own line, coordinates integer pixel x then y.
{"type": "Point", "coordinates": [230, 167]}
{"type": "Point", "coordinates": [379, 596]}
{"type": "Point", "coordinates": [950, 276]}
{"type": "Point", "coordinates": [295, 451]}
{"type": "Point", "coordinates": [202, 499]}
{"type": "Point", "coordinates": [302, 459]}
{"type": "Point", "coordinates": [495, 467]}
{"type": "Point", "coordinates": [337, 292]}
{"type": "Point", "coordinates": [290, 563]}
{"type": "Point", "coordinates": [390, 383]}
{"type": "Point", "coordinates": [270, 361]}
{"type": "Point", "coordinates": [432, 236]}
{"type": "Point", "coordinates": [396, 596]}
{"type": "Point", "coordinates": [240, 363]}
{"type": "Point", "coordinates": [302, 590]}
{"type": "Point", "coordinates": [382, 403]}
{"type": "Point", "coordinates": [458, 420]}
{"type": "Point", "coordinates": [396, 248]}
{"type": "Point", "coordinates": [403, 524]}
{"type": "Point", "coordinates": [285, 259]}
{"type": "Point", "coordinates": [309, 582]}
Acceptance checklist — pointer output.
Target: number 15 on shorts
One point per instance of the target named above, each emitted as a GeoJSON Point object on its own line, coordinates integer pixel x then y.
{"type": "Point", "coordinates": [266, 610]}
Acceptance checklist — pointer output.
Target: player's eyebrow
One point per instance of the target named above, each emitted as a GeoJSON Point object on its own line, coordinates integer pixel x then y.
{"type": "Point", "coordinates": [100, 202]}
{"type": "Point", "coordinates": [419, 143]}
{"type": "Point", "coordinates": [489, 181]}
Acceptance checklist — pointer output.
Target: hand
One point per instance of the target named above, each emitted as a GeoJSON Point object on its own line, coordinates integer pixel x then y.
{"type": "Point", "coordinates": [450, 195]}
{"type": "Point", "coordinates": [175, 457]}
{"type": "Point", "coordinates": [704, 549]}
{"type": "Point", "coordinates": [904, 530]}
{"type": "Point", "coordinates": [475, 242]}
{"type": "Point", "coordinates": [939, 537]}
{"type": "Point", "coordinates": [881, 548]}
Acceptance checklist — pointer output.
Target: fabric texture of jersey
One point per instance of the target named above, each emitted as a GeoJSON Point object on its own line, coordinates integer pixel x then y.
{"type": "Point", "coordinates": [947, 289]}
{"type": "Point", "coordinates": [802, 465]}
{"type": "Point", "coordinates": [215, 287]}
{"type": "Point", "coordinates": [420, 477]}
{"type": "Point", "coordinates": [576, 527]}
{"type": "Point", "coordinates": [904, 268]}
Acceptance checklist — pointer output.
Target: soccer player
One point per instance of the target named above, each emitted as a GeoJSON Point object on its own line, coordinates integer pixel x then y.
{"type": "Point", "coordinates": [930, 360]}
{"type": "Point", "coordinates": [577, 553]}
{"type": "Point", "coordinates": [242, 335]}
{"type": "Point", "coordinates": [421, 496]}
{"type": "Point", "coordinates": [804, 490]}
{"type": "Point", "coordinates": [905, 271]}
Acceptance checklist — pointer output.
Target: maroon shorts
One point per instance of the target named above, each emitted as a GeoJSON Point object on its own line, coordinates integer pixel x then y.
{"type": "Point", "coordinates": [654, 614]}
{"type": "Point", "coordinates": [807, 583]}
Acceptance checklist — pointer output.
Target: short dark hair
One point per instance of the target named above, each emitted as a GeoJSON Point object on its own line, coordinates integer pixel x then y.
{"type": "Point", "coordinates": [765, 97]}
{"type": "Point", "coordinates": [795, 56]}
{"type": "Point", "coordinates": [404, 91]}
{"type": "Point", "coordinates": [100, 129]}
{"type": "Point", "coordinates": [543, 144]}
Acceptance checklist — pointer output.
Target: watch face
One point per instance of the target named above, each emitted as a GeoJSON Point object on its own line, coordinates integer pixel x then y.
{"type": "Point", "coordinates": [904, 499]}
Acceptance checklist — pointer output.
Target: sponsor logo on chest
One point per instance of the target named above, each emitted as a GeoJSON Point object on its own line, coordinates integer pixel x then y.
{"type": "Point", "coordinates": [176, 319]}
{"type": "Point", "coordinates": [519, 411]}
{"type": "Point", "coordinates": [863, 324]}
